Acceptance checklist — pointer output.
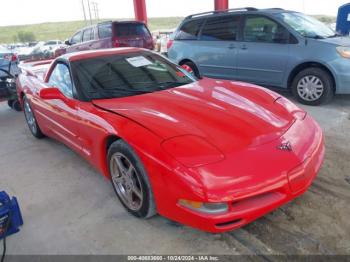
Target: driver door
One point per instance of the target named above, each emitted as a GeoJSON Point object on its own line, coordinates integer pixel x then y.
{"type": "Point", "coordinates": [62, 114]}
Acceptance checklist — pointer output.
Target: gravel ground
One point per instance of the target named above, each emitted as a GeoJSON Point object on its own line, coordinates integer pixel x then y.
{"type": "Point", "coordinates": [69, 208]}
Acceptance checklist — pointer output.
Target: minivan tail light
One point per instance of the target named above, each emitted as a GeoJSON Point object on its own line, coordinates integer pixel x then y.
{"type": "Point", "coordinates": [170, 43]}
{"type": "Point", "coordinates": [116, 43]}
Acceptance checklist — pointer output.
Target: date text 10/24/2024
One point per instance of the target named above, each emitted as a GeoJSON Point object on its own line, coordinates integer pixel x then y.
{"type": "Point", "coordinates": [173, 258]}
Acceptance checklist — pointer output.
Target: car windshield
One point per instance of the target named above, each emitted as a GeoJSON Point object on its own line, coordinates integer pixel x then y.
{"type": "Point", "coordinates": [126, 75]}
{"type": "Point", "coordinates": [306, 25]}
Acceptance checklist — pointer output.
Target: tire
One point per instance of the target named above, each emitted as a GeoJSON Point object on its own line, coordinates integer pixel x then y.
{"type": "Point", "coordinates": [193, 67]}
{"type": "Point", "coordinates": [10, 103]}
{"type": "Point", "coordinates": [16, 105]}
{"type": "Point", "coordinates": [30, 119]}
{"type": "Point", "coordinates": [313, 86]}
{"type": "Point", "coordinates": [130, 182]}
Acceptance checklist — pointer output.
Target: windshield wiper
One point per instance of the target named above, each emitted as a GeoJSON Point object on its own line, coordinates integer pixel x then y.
{"type": "Point", "coordinates": [166, 84]}
{"type": "Point", "coordinates": [335, 35]}
{"type": "Point", "coordinates": [316, 37]}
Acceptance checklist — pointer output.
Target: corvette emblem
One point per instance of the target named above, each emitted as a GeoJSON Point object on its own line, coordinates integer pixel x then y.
{"type": "Point", "coordinates": [286, 146]}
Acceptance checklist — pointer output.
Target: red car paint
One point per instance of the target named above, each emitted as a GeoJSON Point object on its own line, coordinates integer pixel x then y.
{"type": "Point", "coordinates": [239, 143]}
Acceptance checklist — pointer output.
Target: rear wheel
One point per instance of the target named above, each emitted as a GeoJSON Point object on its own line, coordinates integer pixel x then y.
{"type": "Point", "coordinates": [130, 181]}
{"type": "Point", "coordinates": [313, 86]}
{"type": "Point", "coordinates": [191, 68]}
{"type": "Point", "coordinates": [10, 103]}
{"type": "Point", "coordinates": [30, 118]}
{"type": "Point", "coordinates": [16, 105]}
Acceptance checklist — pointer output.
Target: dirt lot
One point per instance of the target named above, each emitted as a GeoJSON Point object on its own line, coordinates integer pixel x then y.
{"type": "Point", "coordinates": [69, 208]}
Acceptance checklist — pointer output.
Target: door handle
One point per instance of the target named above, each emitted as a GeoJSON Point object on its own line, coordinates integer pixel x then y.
{"type": "Point", "coordinates": [244, 47]}
{"type": "Point", "coordinates": [231, 46]}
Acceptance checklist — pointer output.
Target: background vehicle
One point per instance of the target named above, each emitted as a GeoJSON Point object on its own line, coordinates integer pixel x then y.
{"type": "Point", "coordinates": [270, 47]}
{"type": "Point", "coordinates": [111, 34]}
{"type": "Point", "coordinates": [161, 38]}
{"type": "Point", "coordinates": [41, 50]}
{"type": "Point", "coordinates": [173, 144]}
{"type": "Point", "coordinates": [8, 73]}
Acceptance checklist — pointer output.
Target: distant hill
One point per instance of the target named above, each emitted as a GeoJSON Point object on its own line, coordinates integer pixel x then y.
{"type": "Point", "coordinates": [326, 19]}
{"type": "Point", "coordinates": [63, 30]}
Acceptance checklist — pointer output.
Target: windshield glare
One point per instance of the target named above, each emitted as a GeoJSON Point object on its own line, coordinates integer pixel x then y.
{"type": "Point", "coordinates": [306, 25]}
{"type": "Point", "coordinates": [126, 75]}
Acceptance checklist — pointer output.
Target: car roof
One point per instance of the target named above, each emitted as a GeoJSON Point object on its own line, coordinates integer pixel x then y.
{"type": "Point", "coordinates": [110, 21]}
{"type": "Point", "coordinates": [244, 10]}
{"type": "Point", "coordinates": [76, 56]}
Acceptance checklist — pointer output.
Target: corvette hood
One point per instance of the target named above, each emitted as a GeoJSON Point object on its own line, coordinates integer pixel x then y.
{"type": "Point", "coordinates": [229, 115]}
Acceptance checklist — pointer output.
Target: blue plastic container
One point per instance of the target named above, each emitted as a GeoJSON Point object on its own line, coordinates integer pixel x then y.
{"type": "Point", "coordinates": [10, 215]}
{"type": "Point", "coordinates": [343, 19]}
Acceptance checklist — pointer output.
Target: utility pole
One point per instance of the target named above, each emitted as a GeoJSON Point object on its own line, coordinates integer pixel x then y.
{"type": "Point", "coordinates": [95, 10]}
{"type": "Point", "coordinates": [88, 1]}
{"type": "Point", "coordinates": [82, 3]}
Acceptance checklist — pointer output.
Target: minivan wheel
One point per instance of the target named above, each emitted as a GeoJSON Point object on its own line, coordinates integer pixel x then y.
{"type": "Point", "coordinates": [191, 68]}
{"type": "Point", "coordinates": [313, 86]}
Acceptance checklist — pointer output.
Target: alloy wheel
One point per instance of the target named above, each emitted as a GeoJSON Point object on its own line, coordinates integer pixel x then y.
{"type": "Point", "coordinates": [126, 181]}
{"type": "Point", "coordinates": [30, 117]}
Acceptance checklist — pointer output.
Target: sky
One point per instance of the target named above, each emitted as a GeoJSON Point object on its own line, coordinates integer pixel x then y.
{"type": "Point", "coordinates": [19, 12]}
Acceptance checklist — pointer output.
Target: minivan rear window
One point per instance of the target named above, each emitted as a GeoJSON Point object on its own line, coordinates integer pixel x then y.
{"type": "Point", "coordinates": [190, 30]}
{"type": "Point", "coordinates": [131, 29]}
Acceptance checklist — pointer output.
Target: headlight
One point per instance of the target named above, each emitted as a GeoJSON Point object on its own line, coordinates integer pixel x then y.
{"type": "Point", "coordinates": [192, 151]}
{"type": "Point", "coordinates": [344, 51]}
{"type": "Point", "coordinates": [209, 208]}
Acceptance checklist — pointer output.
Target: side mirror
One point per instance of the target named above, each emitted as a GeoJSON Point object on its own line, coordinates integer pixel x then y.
{"type": "Point", "coordinates": [67, 42]}
{"type": "Point", "coordinates": [51, 93]}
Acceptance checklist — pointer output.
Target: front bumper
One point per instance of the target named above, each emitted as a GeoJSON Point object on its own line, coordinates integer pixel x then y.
{"type": "Point", "coordinates": [340, 69]}
{"type": "Point", "coordinates": [255, 201]}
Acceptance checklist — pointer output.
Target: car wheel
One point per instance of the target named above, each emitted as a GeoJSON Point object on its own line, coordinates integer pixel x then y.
{"type": "Point", "coordinates": [30, 118]}
{"type": "Point", "coordinates": [191, 68]}
{"type": "Point", "coordinates": [16, 105]}
{"type": "Point", "coordinates": [130, 180]}
{"type": "Point", "coordinates": [10, 103]}
{"type": "Point", "coordinates": [313, 86]}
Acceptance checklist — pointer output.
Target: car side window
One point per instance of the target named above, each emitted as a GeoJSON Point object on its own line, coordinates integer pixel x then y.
{"type": "Point", "coordinates": [190, 30]}
{"type": "Point", "coordinates": [263, 29]}
{"type": "Point", "coordinates": [76, 38]}
{"type": "Point", "coordinates": [224, 28]}
{"type": "Point", "coordinates": [87, 34]}
{"type": "Point", "coordinates": [105, 30]}
{"type": "Point", "coordinates": [60, 78]}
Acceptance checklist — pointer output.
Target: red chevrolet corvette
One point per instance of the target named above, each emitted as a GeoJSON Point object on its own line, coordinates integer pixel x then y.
{"type": "Point", "coordinates": [211, 154]}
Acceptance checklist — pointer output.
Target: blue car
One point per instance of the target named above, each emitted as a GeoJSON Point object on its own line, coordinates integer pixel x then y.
{"type": "Point", "coordinates": [269, 47]}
